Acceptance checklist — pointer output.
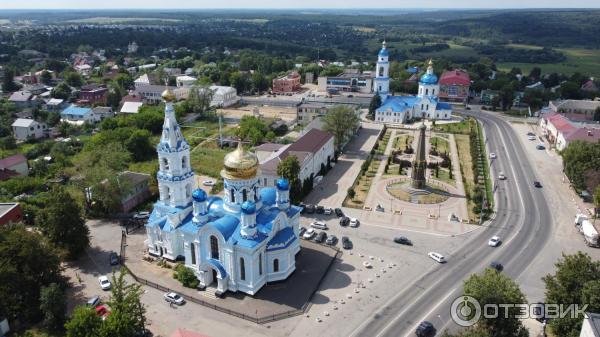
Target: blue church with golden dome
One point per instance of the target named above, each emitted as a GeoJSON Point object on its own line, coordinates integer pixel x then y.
{"type": "Point", "coordinates": [400, 109]}
{"type": "Point", "coordinates": [237, 242]}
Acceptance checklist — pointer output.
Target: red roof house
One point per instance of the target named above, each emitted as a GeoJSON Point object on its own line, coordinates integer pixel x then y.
{"type": "Point", "coordinates": [454, 85]}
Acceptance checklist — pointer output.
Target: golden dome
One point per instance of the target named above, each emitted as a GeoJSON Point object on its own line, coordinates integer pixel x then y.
{"type": "Point", "coordinates": [240, 164]}
{"type": "Point", "coordinates": [168, 96]}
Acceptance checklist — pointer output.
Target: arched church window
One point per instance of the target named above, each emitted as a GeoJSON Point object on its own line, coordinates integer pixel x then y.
{"type": "Point", "coordinates": [193, 253]}
{"type": "Point", "coordinates": [421, 106]}
{"type": "Point", "coordinates": [165, 164]}
{"type": "Point", "coordinates": [184, 163]}
{"type": "Point", "coordinates": [214, 247]}
{"type": "Point", "coordinates": [167, 194]}
{"type": "Point", "coordinates": [427, 106]}
{"type": "Point", "coordinates": [433, 91]}
{"type": "Point", "coordinates": [260, 264]}
{"type": "Point", "coordinates": [255, 193]}
{"type": "Point", "coordinates": [242, 269]}
{"type": "Point", "coordinates": [244, 195]}
{"type": "Point", "coordinates": [188, 191]}
{"type": "Point", "coordinates": [380, 71]}
{"type": "Point", "coordinates": [426, 91]}
{"type": "Point", "coordinates": [232, 195]}
{"type": "Point", "coordinates": [276, 265]}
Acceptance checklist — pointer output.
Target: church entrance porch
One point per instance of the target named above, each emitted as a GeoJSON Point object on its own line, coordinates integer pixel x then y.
{"type": "Point", "coordinates": [213, 275]}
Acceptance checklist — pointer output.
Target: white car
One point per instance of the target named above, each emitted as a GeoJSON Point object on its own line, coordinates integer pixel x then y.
{"type": "Point", "coordinates": [354, 222]}
{"type": "Point", "coordinates": [328, 211]}
{"type": "Point", "coordinates": [104, 282]}
{"type": "Point", "coordinates": [318, 225]}
{"type": "Point", "coordinates": [174, 298]}
{"type": "Point", "coordinates": [367, 264]}
{"type": "Point", "coordinates": [501, 176]}
{"type": "Point", "coordinates": [492, 155]}
{"type": "Point", "coordinates": [309, 233]}
{"type": "Point", "coordinates": [531, 137]}
{"type": "Point", "coordinates": [494, 241]}
{"type": "Point", "coordinates": [437, 257]}
{"type": "Point", "coordinates": [208, 183]}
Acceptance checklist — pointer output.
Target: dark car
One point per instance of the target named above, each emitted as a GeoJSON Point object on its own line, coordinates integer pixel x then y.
{"type": "Point", "coordinates": [113, 258]}
{"type": "Point", "coordinates": [346, 243]}
{"type": "Point", "coordinates": [338, 212]}
{"type": "Point", "coordinates": [403, 240]}
{"type": "Point", "coordinates": [321, 237]}
{"type": "Point", "coordinates": [302, 231]}
{"type": "Point", "coordinates": [540, 147]}
{"type": "Point", "coordinates": [331, 240]}
{"type": "Point", "coordinates": [344, 221]}
{"type": "Point", "coordinates": [320, 209]}
{"type": "Point", "coordinates": [537, 184]}
{"type": "Point", "coordinates": [310, 209]}
{"type": "Point", "coordinates": [497, 266]}
{"type": "Point", "coordinates": [425, 329]}
{"type": "Point", "coordinates": [141, 215]}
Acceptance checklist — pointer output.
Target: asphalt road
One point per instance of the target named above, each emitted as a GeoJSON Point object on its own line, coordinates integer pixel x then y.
{"type": "Point", "coordinates": [522, 221]}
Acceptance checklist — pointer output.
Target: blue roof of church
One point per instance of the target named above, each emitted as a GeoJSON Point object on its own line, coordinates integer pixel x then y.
{"type": "Point", "coordinates": [248, 207]}
{"type": "Point", "coordinates": [226, 225]}
{"type": "Point", "coordinates": [384, 52]}
{"type": "Point", "coordinates": [268, 195]}
{"type": "Point", "coordinates": [199, 195]}
{"type": "Point", "coordinates": [219, 266]}
{"type": "Point", "coordinates": [428, 79]}
{"type": "Point", "coordinates": [398, 103]}
{"type": "Point", "coordinates": [266, 215]}
{"type": "Point", "coordinates": [283, 184]}
{"type": "Point", "coordinates": [282, 239]}
{"type": "Point", "coordinates": [239, 240]}
{"type": "Point", "coordinates": [443, 106]}
{"type": "Point", "coordinates": [293, 210]}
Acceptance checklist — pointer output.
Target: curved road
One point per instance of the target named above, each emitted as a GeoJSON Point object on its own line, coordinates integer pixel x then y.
{"type": "Point", "coordinates": [522, 221]}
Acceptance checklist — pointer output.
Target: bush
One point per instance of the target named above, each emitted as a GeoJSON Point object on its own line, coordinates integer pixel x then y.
{"type": "Point", "coordinates": [186, 276]}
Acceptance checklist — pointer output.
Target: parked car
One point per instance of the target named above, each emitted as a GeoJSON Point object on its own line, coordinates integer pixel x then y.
{"type": "Point", "coordinates": [208, 183]}
{"type": "Point", "coordinates": [379, 208]}
{"type": "Point", "coordinates": [425, 329]}
{"type": "Point", "coordinates": [102, 311]}
{"type": "Point", "coordinates": [309, 209]}
{"type": "Point", "coordinates": [354, 222]}
{"type": "Point", "coordinates": [328, 211]}
{"type": "Point", "coordinates": [530, 133]}
{"type": "Point", "coordinates": [403, 240]}
{"type": "Point", "coordinates": [104, 282]}
{"type": "Point", "coordinates": [113, 258]}
{"type": "Point", "coordinates": [437, 257]}
{"type": "Point", "coordinates": [497, 266]}
{"type": "Point", "coordinates": [319, 225]}
{"type": "Point", "coordinates": [320, 209]}
{"type": "Point", "coordinates": [93, 301]}
{"type": "Point", "coordinates": [301, 230]}
{"type": "Point", "coordinates": [303, 207]}
{"type": "Point", "coordinates": [494, 241]}
{"type": "Point", "coordinates": [344, 221]}
{"type": "Point", "coordinates": [338, 212]}
{"type": "Point", "coordinates": [321, 237]}
{"type": "Point", "coordinates": [540, 147]}
{"type": "Point", "coordinates": [537, 184]}
{"type": "Point", "coordinates": [331, 240]}
{"type": "Point", "coordinates": [531, 137]}
{"type": "Point", "coordinates": [346, 243]}
{"type": "Point", "coordinates": [309, 234]}
{"type": "Point", "coordinates": [501, 176]}
{"type": "Point", "coordinates": [141, 215]}
{"type": "Point", "coordinates": [492, 155]}
{"type": "Point", "coordinates": [174, 298]}
{"type": "Point", "coordinates": [367, 265]}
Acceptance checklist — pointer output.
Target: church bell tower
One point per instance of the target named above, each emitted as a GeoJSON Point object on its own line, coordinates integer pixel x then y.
{"type": "Point", "coordinates": [382, 79]}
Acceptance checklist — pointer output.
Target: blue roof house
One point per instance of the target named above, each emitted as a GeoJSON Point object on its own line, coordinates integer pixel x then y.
{"type": "Point", "coordinates": [77, 115]}
{"type": "Point", "coordinates": [235, 243]}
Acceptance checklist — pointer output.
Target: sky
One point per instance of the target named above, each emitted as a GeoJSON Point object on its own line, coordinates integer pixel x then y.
{"type": "Point", "coordinates": [284, 4]}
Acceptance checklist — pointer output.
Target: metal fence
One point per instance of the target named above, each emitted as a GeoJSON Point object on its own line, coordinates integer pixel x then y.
{"type": "Point", "coordinates": [255, 319]}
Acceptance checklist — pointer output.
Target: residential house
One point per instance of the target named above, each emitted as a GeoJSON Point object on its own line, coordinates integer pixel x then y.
{"type": "Point", "coordinates": [454, 86]}
{"type": "Point", "coordinates": [102, 112]}
{"type": "Point", "coordinates": [185, 81]}
{"type": "Point", "coordinates": [314, 150]}
{"type": "Point", "coordinates": [152, 93]}
{"type": "Point", "coordinates": [591, 325]}
{"type": "Point", "coordinates": [535, 86]}
{"type": "Point", "coordinates": [24, 129]}
{"type": "Point", "coordinates": [287, 84]}
{"type": "Point", "coordinates": [13, 166]}
{"type": "Point", "coordinates": [589, 86]}
{"type": "Point", "coordinates": [55, 104]}
{"type": "Point", "coordinates": [579, 110]}
{"type": "Point", "coordinates": [130, 107]}
{"type": "Point", "coordinates": [142, 80]}
{"type": "Point", "coordinates": [10, 212]}
{"type": "Point", "coordinates": [560, 131]}
{"type": "Point", "coordinates": [36, 89]}
{"type": "Point", "coordinates": [22, 99]}
{"type": "Point", "coordinates": [585, 134]}
{"type": "Point", "coordinates": [77, 115]}
{"type": "Point", "coordinates": [307, 112]}
{"type": "Point", "coordinates": [93, 94]}
{"type": "Point", "coordinates": [83, 69]}
{"type": "Point", "coordinates": [223, 96]}
{"type": "Point", "coordinates": [487, 96]}
{"type": "Point", "coordinates": [137, 189]}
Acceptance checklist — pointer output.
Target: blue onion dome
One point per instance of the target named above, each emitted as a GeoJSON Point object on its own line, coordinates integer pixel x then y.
{"type": "Point", "coordinates": [199, 195]}
{"type": "Point", "coordinates": [282, 184]}
{"type": "Point", "coordinates": [384, 52]}
{"type": "Point", "coordinates": [268, 196]}
{"type": "Point", "coordinates": [429, 79]}
{"type": "Point", "coordinates": [249, 207]}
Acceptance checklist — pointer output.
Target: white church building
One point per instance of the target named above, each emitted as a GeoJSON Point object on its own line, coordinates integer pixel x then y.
{"type": "Point", "coordinates": [235, 243]}
{"type": "Point", "coordinates": [400, 109]}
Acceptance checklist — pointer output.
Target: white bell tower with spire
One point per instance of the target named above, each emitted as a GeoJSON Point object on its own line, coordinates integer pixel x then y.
{"type": "Point", "coordinates": [175, 176]}
{"type": "Point", "coordinates": [382, 70]}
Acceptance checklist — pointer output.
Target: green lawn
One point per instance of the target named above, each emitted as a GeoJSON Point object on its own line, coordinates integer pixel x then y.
{"type": "Point", "coordinates": [208, 160]}
{"type": "Point", "coordinates": [401, 141]}
{"type": "Point", "coordinates": [459, 128]}
{"type": "Point", "coordinates": [440, 144]}
{"type": "Point", "coordinates": [585, 61]}
{"type": "Point", "coordinates": [444, 176]}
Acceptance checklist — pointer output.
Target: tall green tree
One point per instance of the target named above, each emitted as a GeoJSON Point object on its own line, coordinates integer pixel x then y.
{"type": "Point", "coordinates": [53, 306]}
{"type": "Point", "coordinates": [597, 199]}
{"type": "Point", "coordinates": [289, 168]}
{"type": "Point", "coordinates": [580, 159]}
{"type": "Point", "coordinates": [73, 79]}
{"type": "Point", "coordinates": [28, 262]}
{"type": "Point", "coordinates": [374, 105]}
{"type": "Point", "coordinates": [46, 77]}
{"type": "Point", "coordinates": [84, 322]}
{"type": "Point", "coordinates": [574, 282]}
{"type": "Point", "coordinates": [61, 91]}
{"type": "Point", "coordinates": [8, 82]}
{"type": "Point", "coordinates": [63, 223]}
{"type": "Point", "coordinates": [341, 121]}
{"type": "Point", "coordinates": [493, 287]}
{"type": "Point", "coordinates": [252, 129]}
{"type": "Point", "coordinates": [139, 145]}
{"type": "Point", "coordinates": [127, 311]}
